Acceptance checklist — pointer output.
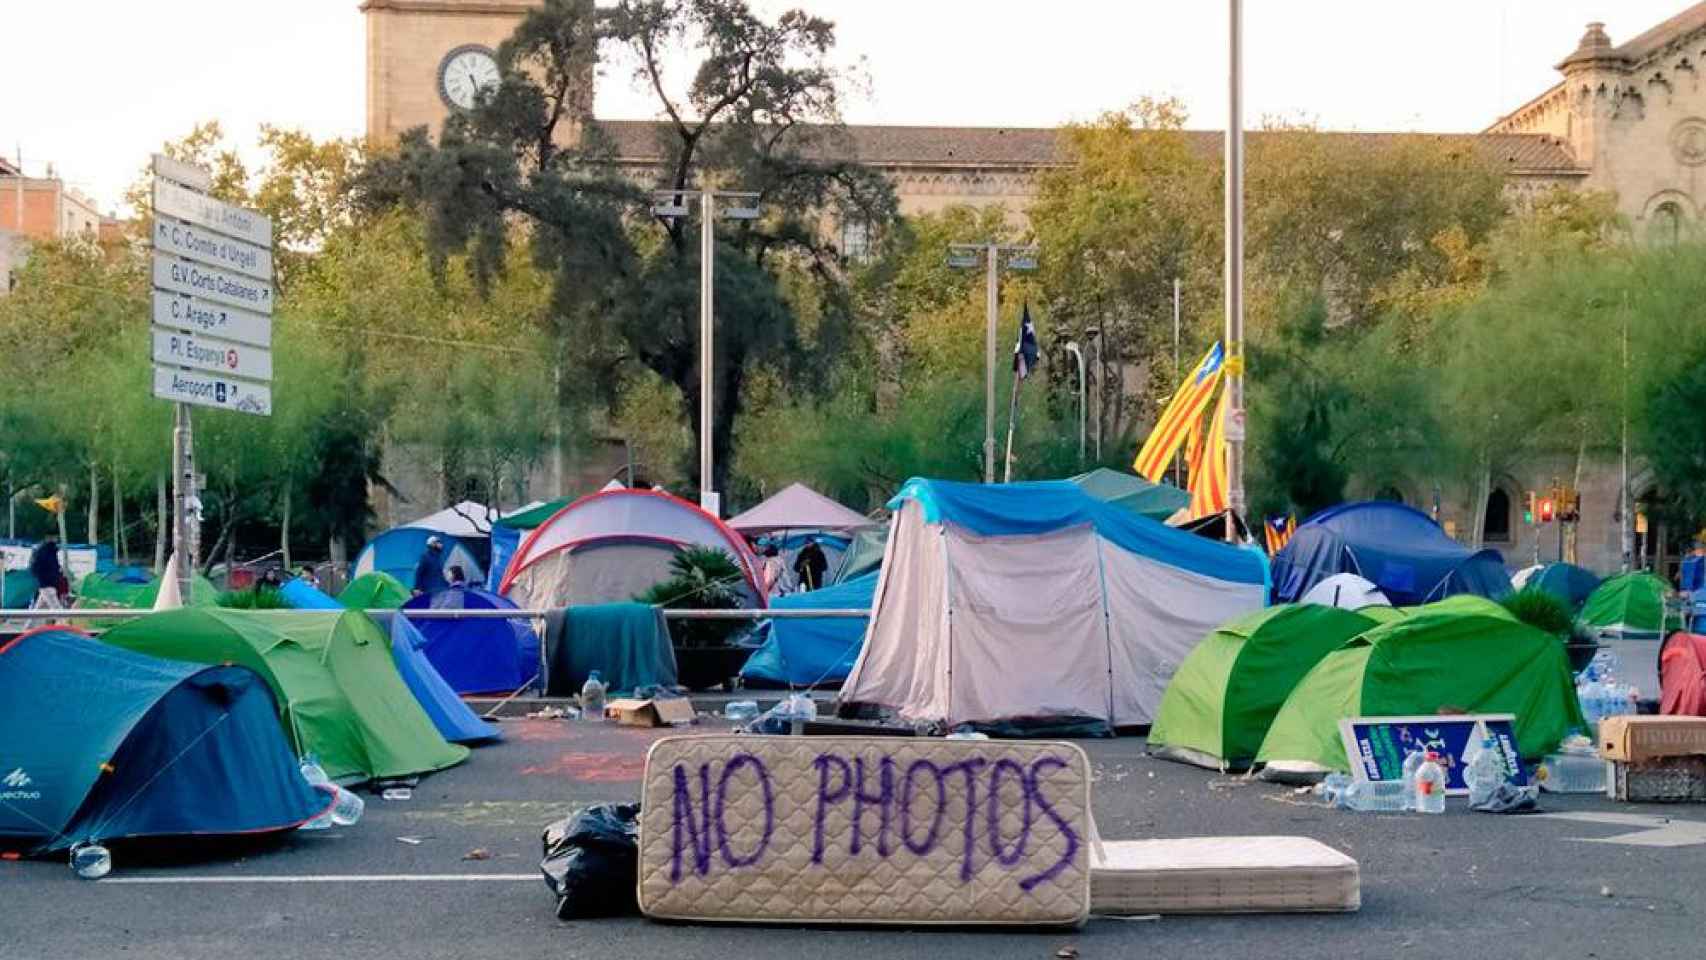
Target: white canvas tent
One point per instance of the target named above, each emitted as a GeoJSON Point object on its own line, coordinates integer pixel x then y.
{"type": "Point", "coordinates": [1346, 590]}
{"type": "Point", "coordinates": [798, 507]}
{"type": "Point", "coordinates": [1035, 601]}
{"type": "Point", "coordinates": [466, 519]}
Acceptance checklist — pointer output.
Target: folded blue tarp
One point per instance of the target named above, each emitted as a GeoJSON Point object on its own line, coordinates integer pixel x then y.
{"type": "Point", "coordinates": [813, 652]}
{"type": "Point", "coordinates": [627, 643]}
{"type": "Point", "coordinates": [455, 722]}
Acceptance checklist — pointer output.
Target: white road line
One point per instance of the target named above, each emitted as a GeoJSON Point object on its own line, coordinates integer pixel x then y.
{"type": "Point", "coordinates": [337, 878]}
{"type": "Point", "coordinates": [1656, 831]}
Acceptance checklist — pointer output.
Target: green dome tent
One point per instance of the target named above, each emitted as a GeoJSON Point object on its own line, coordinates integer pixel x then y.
{"type": "Point", "coordinates": [1220, 701]}
{"type": "Point", "coordinates": [374, 591]}
{"type": "Point", "coordinates": [1628, 605]}
{"type": "Point", "coordinates": [99, 591]}
{"type": "Point", "coordinates": [340, 696]}
{"type": "Point", "coordinates": [1435, 660]}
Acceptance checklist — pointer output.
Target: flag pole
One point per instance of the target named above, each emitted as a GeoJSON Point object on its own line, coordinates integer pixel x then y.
{"type": "Point", "coordinates": [1012, 421]}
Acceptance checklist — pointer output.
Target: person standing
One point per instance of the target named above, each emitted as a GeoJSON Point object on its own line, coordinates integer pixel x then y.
{"type": "Point", "coordinates": [429, 572]}
{"type": "Point", "coordinates": [775, 571]}
{"type": "Point", "coordinates": [50, 576]}
{"type": "Point", "coordinates": [810, 565]}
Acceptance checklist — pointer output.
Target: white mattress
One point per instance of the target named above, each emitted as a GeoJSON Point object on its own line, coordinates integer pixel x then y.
{"type": "Point", "coordinates": [1222, 875]}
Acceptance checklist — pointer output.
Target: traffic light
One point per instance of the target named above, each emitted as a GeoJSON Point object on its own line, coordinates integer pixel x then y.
{"type": "Point", "coordinates": [1547, 510]}
{"type": "Point", "coordinates": [1528, 508]}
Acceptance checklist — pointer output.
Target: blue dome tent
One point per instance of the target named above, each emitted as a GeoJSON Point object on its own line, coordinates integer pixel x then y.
{"type": "Point", "coordinates": [477, 655]}
{"type": "Point", "coordinates": [813, 652]}
{"type": "Point", "coordinates": [103, 743]}
{"type": "Point", "coordinates": [398, 550]}
{"type": "Point", "coordinates": [1397, 548]}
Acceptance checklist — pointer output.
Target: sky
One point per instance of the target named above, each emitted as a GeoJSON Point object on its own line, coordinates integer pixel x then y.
{"type": "Point", "coordinates": [116, 78]}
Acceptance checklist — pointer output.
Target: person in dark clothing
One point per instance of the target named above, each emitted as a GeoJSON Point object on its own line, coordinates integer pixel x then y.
{"type": "Point", "coordinates": [458, 576]}
{"type": "Point", "coordinates": [810, 565]}
{"type": "Point", "coordinates": [50, 577]}
{"type": "Point", "coordinates": [429, 573]}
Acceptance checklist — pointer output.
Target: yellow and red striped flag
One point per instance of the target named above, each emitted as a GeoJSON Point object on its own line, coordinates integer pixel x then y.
{"type": "Point", "coordinates": [1209, 485]}
{"type": "Point", "coordinates": [1186, 407]}
{"type": "Point", "coordinates": [1279, 529]}
{"type": "Point", "coordinates": [1193, 454]}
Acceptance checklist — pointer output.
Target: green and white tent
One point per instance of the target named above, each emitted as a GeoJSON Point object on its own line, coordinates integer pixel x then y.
{"type": "Point", "coordinates": [1437, 659]}
{"type": "Point", "coordinates": [339, 694]}
{"type": "Point", "coordinates": [1219, 704]}
{"type": "Point", "coordinates": [1631, 605]}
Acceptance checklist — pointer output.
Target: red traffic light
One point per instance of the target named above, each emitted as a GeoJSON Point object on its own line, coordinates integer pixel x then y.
{"type": "Point", "coordinates": [1547, 509]}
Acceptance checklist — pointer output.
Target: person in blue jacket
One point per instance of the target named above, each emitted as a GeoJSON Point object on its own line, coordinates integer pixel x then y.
{"type": "Point", "coordinates": [429, 573]}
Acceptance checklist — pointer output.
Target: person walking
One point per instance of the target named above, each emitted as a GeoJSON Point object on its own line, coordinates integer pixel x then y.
{"type": "Point", "coordinates": [429, 572]}
{"type": "Point", "coordinates": [50, 576]}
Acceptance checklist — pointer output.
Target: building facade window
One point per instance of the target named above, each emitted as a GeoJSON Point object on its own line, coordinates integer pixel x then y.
{"type": "Point", "coordinates": [856, 240]}
{"type": "Point", "coordinates": [1496, 528]}
{"type": "Point", "coordinates": [1666, 226]}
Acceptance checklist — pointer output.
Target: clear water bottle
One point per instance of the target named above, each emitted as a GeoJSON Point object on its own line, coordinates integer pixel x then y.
{"type": "Point", "coordinates": [1430, 785]}
{"type": "Point", "coordinates": [1412, 763]}
{"type": "Point", "coordinates": [799, 706]}
{"type": "Point", "coordinates": [1379, 796]}
{"type": "Point", "coordinates": [347, 808]}
{"type": "Point", "coordinates": [1483, 771]}
{"type": "Point", "coordinates": [91, 860]}
{"type": "Point", "coordinates": [740, 711]}
{"type": "Point", "coordinates": [966, 731]}
{"type": "Point", "coordinates": [1332, 789]}
{"type": "Point", "coordinates": [316, 777]}
{"type": "Point", "coordinates": [592, 697]}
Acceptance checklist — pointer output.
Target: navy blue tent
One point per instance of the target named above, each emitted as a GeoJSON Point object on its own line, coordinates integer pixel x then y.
{"type": "Point", "coordinates": [477, 655]}
{"type": "Point", "coordinates": [1397, 548]}
{"type": "Point", "coordinates": [1566, 581]}
{"type": "Point", "coordinates": [102, 743]}
{"type": "Point", "coordinates": [455, 722]}
{"type": "Point", "coordinates": [813, 652]}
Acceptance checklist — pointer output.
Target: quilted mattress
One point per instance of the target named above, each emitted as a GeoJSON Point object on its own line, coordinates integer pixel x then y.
{"type": "Point", "coordinates": [865, 830]}
{"type": "Point", "coordinates": [1222, 875]}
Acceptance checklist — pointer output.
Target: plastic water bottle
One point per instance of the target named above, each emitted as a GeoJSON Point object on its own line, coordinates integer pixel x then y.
{"type": "Point", "coordinates": [1430, 785]}
{"type": "Point", "coordinates": [799, 706]}
{"type": "Point", "coordinates": [1575, 768]}
{"type": "Point", "coordinates": [316, 777]}
{"type": "Point", "coordinates": [1484, 771]}
{"type": "Point", "coordinates": [966, 731]}
{"type": "Point", "coordinates": [1332, 789]}
{"type": "Point", "coordinates": [347, 808]}
{"type": "Point", "coordinates": [740, 711]}
{"type": "Point", "coordinates": [1412, 763]}
{"type": "Point", "coordinates": [91, 860]}
{"type": "Point", "coordinates": [592, 697]}
{"type": "Point", "coordinates": [1378, 796]}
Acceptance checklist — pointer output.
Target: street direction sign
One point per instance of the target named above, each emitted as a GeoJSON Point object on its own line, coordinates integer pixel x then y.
{"type": "Point", "coordinates": [199, 243]}
{"type": "Point", "coordinates": [173, 200]}
{"type": "Point", "coordinates": [211, 283]}
{"type": "Point", "coordinates": [213, 319]}
{"type": "Point", "coordinates": [206, 390]}
{"type": "Point", "coordinates": [175, 347]}
{"type": "Point", "coordinates": [178, 171]}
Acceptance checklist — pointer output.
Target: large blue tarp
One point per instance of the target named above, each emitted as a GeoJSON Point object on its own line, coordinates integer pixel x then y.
{"type": "Point", "coordinates": [455, 722]}
{"type": "Point", "coordinates": [505, 541]}
{"type": "Point", "coordinates": [1047, 505]}
{"type": "Point", "coordinates": [100, 742]}
{"type": "Point", "coordinates": [1398, 548]}
{"type": "Point", "coordinates": [810, 652]}
{"type": "Point", "coordinates": [477, 655]}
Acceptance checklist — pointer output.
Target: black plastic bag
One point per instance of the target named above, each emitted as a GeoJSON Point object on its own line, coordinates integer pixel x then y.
{"type": "Point", "coordinates": [592, 861]}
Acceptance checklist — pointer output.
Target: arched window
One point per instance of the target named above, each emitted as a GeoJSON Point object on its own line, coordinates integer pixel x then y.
{"type": "Point", "coordinates": [1497, 527]}
{"type": "Point", "coordinates": [1666, 226]}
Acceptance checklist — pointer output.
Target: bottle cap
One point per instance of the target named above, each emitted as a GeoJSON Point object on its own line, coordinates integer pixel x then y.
{"type": "Point", "coordinates": [1432, 755]}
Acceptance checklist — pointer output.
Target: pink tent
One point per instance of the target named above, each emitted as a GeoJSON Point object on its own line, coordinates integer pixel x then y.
{"type": "Point", "coordinates": [609, 546]}
{"type": "Point", "coordinates": [1682, 675]}
{"type": "Point", "coordinates": [798, 507]}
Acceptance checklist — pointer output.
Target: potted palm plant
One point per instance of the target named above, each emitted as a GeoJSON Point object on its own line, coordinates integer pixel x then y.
{"type": "Point", "coordinates": [702, 578]}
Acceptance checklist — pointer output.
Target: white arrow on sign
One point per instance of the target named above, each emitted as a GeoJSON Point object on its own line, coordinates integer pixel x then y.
{"type": "Point", "coordinates": [197, 243]}
{"type": "Point", "coordinates": [211, 283]}
{"type": "Point", "coordinates": [200, 209]}
{"type": "Point", "coordinates": [213, 356]}
{"type": "Point", "coordinates": [213, 319]}
{"type": "Point", "coordinates": [221, 393]}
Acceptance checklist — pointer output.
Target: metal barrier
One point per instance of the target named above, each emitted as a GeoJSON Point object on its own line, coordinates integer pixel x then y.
{"type": "Point", "coordinates": [788, 614]}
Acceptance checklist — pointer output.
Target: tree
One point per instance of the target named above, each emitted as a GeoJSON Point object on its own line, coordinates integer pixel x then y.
{"type": "Point", "coordinates": [761, 107]}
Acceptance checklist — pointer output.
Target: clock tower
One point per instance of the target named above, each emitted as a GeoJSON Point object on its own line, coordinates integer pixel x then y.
{"type": "Point", "coordinates": [423, 56]}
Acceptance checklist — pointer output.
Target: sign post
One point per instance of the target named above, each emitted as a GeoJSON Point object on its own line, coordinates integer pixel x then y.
{"type": "Point", "coordinates": [212, 333]}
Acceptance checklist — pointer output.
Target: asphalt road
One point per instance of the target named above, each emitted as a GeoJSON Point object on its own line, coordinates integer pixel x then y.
{"type": "Point", "coordinates": [1459, 885]}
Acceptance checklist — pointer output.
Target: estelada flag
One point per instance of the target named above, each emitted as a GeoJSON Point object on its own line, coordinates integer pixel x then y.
{"type": "Point", "coordinates": [1187, 406]}
{"type": "Point", "coordinates": [1210, 484]}
{"type": "Point", "coordinates": [1278, 530]}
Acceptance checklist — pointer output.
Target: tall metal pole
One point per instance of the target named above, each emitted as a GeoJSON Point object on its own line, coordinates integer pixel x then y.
{"type": "Point", "coordinates": [183, 496]}
{"type": "Point", "coordinates": [992, 257]}
{"type": "Point", "coordinates": [1178, 459]}
{"type": "Point", "coordinates": [1083, 430]}
{"type": "Point", "coordinates": [707, 257]}
{"type": "Point", "coordinates": [1235, 262]}
{"type": "Point", "coordinates": [1623, 509]}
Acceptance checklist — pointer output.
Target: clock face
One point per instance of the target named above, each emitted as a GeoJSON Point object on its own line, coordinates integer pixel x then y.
{"type": "Point", "coordinates": [465, 73]}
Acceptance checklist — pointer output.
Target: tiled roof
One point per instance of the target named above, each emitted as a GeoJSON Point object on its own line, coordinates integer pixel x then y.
{"type": "Point", "coordinates": [1653, 40]}
{"type": "Point", "coordinates": [637, 141]}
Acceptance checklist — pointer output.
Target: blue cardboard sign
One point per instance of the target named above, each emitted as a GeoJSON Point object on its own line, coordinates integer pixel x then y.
{"type": "Point", "coordinates": [1376, 746]}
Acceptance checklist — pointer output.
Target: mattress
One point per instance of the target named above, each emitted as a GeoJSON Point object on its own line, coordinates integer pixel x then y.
{"type": "Point", "coordinates": [1222, 875]}
{"type": "Point", "coordinates": [865, 830]}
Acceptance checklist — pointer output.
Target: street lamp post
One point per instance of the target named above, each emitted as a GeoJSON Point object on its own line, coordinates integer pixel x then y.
{"type": "Point", "coordinates": [669, 204]}
{"type": "Point", "coordinates": [1235, 263]}
{"type": "Point", "coordinates": [1077, 354]}
{"type": "Point", "coordinates": [965, 256]}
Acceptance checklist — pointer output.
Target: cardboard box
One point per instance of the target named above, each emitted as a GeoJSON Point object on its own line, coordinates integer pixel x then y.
{"type": "Point", "coordinates": [654, 712]}
{"type": "Point", "coordinates": [1637, 739]}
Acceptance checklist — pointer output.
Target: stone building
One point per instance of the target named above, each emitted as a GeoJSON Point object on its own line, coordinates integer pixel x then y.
{"type": "Point", "coordinates": [37, 209]}
{"type": "Point", "coordinates": [1627, 118]}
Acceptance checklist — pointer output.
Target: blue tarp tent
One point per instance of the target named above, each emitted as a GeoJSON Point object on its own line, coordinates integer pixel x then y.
{"type": "Point", "coordinates": [455, 722]}
{"type": "Point", "coordinates": [398, 550]}
{"type": "Point", "coordinates": [103, 743]}
{"type": "Point", "coordinates": [477, 655]}
{"type": "Point", "coordinates": [1566, 581]}
{"type": "Point", "coordinates": [505, 541]}
{"type": "Point", "coordinates": [1035, 603]}
{"type": "Point", "coordinates": [812, 652]}
{"type": "Point", "coordinates": [1397, 548]}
